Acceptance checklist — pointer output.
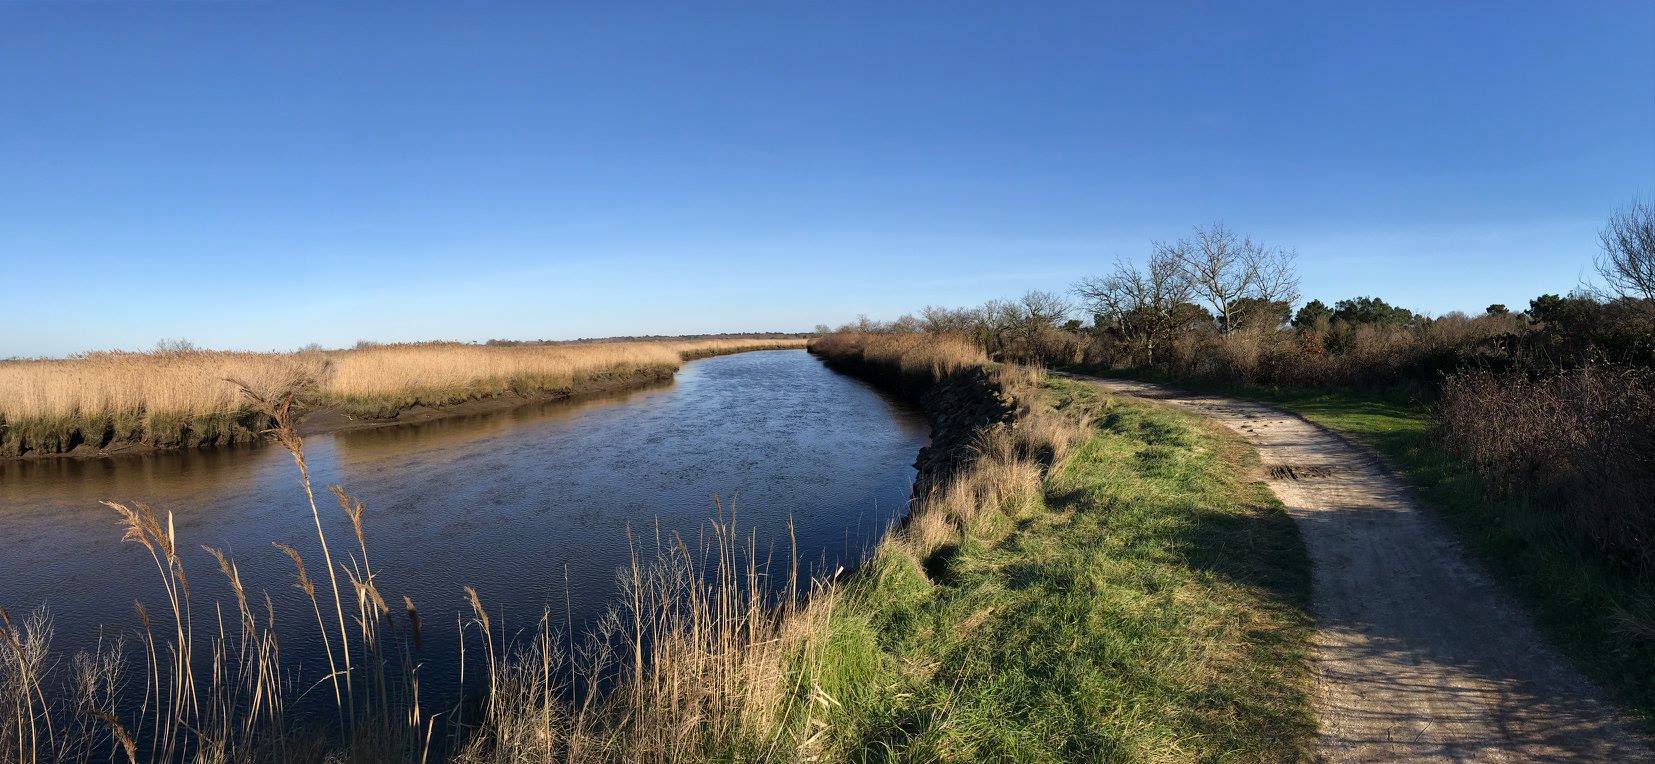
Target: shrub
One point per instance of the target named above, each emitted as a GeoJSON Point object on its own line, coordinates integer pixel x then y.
{"type": "Point", "coordinates": [1580, 443]}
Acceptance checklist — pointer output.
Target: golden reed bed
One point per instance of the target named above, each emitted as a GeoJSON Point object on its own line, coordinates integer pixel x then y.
{"type": "Point", "coordinates": [121, 396]}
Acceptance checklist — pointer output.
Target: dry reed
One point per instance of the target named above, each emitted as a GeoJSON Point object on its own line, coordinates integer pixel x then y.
{"type": "Point", "coordinates": [161, 397]}
{"type": "Point", "coordinates": [921, 358]}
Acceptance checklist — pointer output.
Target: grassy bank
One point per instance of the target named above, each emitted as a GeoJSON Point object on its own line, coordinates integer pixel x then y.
{"type": "Point", "coordinates": [1601, 618]}
{"type": "Point", "coordinates": [1108, 581]}
{"type": "Point", "coordinates": [183, 399]}
{"type": "Point", "coordinates": [1145, 603]}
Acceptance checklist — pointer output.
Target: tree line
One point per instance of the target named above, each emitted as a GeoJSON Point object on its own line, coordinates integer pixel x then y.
{"type": "Point", "coordinates": [1221, 305]}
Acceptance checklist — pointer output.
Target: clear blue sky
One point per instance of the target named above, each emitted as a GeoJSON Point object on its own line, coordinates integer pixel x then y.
{"type": "Point", "coordinates": [263, 175]}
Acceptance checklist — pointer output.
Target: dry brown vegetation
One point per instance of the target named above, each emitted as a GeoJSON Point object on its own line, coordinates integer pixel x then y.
{"type": "Point", "coordinates": [186, 397]}
{"type": "Point", "coordinates": [1581, 443]}
{"type": "Point", "coordinates": [1325, 353]}
{"type": "Point", "coordinates": [1011, 457]}
{"type": "Point", "coordinates": [923, 358]}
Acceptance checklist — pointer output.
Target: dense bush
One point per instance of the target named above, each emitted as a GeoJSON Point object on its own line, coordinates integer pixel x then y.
{"type": "Point", "coordinates": [1393, 347]}
{"type": "Point", "coordinates": [1580, 442]}
{"type": "Point", "coordinates": [1326, 352]}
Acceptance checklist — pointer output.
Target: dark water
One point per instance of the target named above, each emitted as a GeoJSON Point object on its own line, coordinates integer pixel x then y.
{"type": "Point", "coordinates": [503, 502]}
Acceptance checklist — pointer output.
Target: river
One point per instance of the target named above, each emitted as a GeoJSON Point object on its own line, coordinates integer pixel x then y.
{"type": "Point", "coordinates": [504, 502]}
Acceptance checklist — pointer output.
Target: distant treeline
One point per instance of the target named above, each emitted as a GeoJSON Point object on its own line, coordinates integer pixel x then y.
{"type": "Point", "coordinates": [654, 338]}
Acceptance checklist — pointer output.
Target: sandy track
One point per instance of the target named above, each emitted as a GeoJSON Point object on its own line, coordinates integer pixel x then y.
{"type": "Point", "coordinates": [1418, 655]}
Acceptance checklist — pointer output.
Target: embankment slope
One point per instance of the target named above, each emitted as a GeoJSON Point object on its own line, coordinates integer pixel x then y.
{"type": "Point", "coordinates": [1081, 579]}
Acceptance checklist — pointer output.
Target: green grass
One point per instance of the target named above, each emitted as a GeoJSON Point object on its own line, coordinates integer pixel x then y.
{"type": "Point", "coordinates": [1601, 619]}
{"type": "Point", "coordinates": [1151, 607]}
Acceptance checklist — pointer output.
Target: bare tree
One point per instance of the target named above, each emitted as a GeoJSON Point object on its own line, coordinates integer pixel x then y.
{"type": "Point", "coordinates": [1143, 305]}
{"type": "Point", "coordinates": [1276, 275]}
{"type": "Point", "coordinates": [1223, 268]}
{"type": "Point", "coordinates": [1627, 264]}
{"type": "Point", "coordinates": [997, 324]}
{"type": "Point", "coordinates": [1040, 310]}
{"type": "Point", "coordinates": [907, 323]}
{"type": "Point", "coordinates": [996, 320]}
{"type": "Point", "coordinates": [937, 320]}
{"type": "Point", "coordinates": [948, 320]}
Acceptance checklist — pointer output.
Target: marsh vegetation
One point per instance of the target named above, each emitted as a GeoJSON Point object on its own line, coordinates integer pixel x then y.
{"type": "Point", "coordinates": [182, 396]}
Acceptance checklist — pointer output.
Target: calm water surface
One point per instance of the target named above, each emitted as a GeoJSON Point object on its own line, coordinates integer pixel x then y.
{"type": "Point", "coordinates": [502, 502]}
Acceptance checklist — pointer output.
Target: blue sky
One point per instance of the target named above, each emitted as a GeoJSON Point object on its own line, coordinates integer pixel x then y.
{"type": "Point", "coordinates": [264, 175]}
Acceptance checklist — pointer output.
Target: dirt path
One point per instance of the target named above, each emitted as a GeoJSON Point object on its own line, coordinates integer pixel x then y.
{"type": "Point", "coordinates": [1418, 655]}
